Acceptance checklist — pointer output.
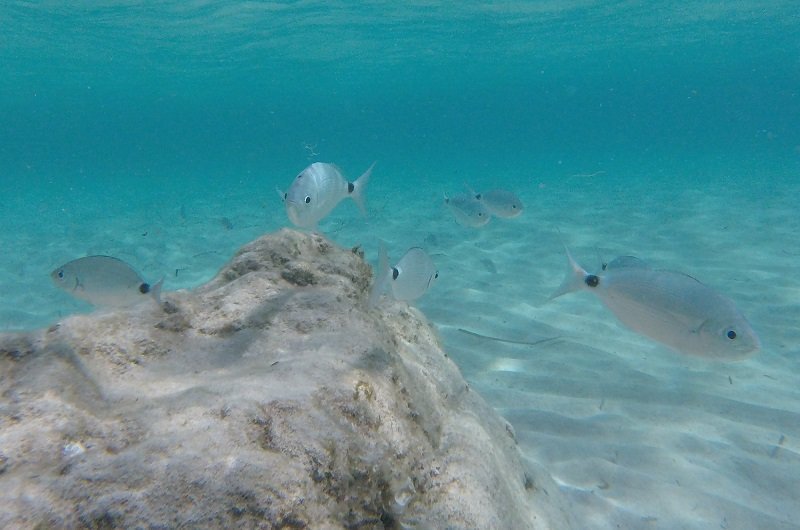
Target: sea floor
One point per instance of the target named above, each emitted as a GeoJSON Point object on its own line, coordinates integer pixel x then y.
{"type": "Point", "coordinates": [637, 436]}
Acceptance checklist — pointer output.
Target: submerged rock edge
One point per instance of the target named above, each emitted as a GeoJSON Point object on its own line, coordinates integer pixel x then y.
{"type": "Point", "coordinates": [272, 396]}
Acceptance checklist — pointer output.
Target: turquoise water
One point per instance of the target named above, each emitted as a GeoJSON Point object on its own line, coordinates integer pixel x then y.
{"type": "Point", "coordinates": [112, 106]}
{"type": "Point", "coordinates": [158, 133]}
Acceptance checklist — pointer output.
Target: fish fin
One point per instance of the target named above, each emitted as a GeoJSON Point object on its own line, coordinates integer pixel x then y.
{"type": "Point", "coordinates": [446, 198]}
{"type": "Point", "coordinates": [603, 263]}
{"type": "Point", "coordinates": [626, 261]}
{"type": "Point", "coordinates": [155, 291]}
{"type": "Point", "coordinates": [281, 194]}
{"type": "Point", "coordinates": [381, 277]}
{"type": "Point", "coordinates": [574, 278]}
{"type": "Point", "coordinates": [359, 189]}
{"type": "Point", "coordinates": [472, 192]}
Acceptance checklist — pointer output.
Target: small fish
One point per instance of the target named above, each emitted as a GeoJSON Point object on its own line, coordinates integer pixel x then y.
{"type": "Point", "coordinates": [412, 277]}
{"type": "Point", "coordinates": [317, 190]}
{"type": "Point", "coordinates": [467, 210]}
{"type": "Point", "coordinates": [500, 203]}
{"type": "Point", "coordinates": [669, 307]}
{"type": "Point", "coordinates": [104, 281]}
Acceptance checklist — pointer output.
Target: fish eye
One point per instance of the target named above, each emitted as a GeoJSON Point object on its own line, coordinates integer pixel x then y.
{"type": "Point", "coordinates": [285, 195]}
{"type": "Point", "coordinates": [731, 334]}
{"type": "Point", "coordinates": [308, 199]}
{"type": "Point", "coordinates": [436, 276]}
{"type": "Point", "coordinates": [60, 274]}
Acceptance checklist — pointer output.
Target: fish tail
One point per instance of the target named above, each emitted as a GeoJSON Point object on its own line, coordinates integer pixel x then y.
{"type": "Point", "coordinates": [155, 291]}
{"type": "Point", "coordinates": [574, 278]}
{"type": "Point", "coordinates": [471, 191]}
{"type": "Point", "coordinates": [359, 189]}
{"type": "Point", "coordinates": [381, 277]}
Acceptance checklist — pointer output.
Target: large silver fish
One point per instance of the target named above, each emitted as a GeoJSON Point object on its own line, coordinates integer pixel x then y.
{"type": "Point", "coordinates": [317, 190]}
{"type": "Point", "coordinates": [411, 278]}
{"type": "Point", "coordinates": [467, 210]}
{"type": "Point", "coordinates": [669, 307]}
{"type": "Point", "coordinates": [501, 203]}
{"type": "Point", "coordinates": [104, 281]}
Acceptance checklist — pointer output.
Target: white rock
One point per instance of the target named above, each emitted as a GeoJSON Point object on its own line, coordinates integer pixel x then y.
{"type": "Point", "coordinates": [271, 397]}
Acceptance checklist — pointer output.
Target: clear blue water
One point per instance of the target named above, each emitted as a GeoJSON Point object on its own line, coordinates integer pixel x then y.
{"type": "Point", "coordinates": [111, 107]}
{"type": "Point", "coordinates": [122, 89]}
{"type": "Point", "coordinates": [133, 128]}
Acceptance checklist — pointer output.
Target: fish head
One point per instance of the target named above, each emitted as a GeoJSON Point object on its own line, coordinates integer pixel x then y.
{"type": "Point", "coordinates": [502, 203]}
{"type": "Point", "coordinates": [728, 339]}
{"type": "Point", "coordinates": [65, 279]}
{"type": "Point", "coordinates": [515, 209]}
{"type": "Point", "coordinates": [413, 275]}
{"type": "Point", "coordinates": [300, 201]}
{"type": "Point", "coordinates": [511, 207]}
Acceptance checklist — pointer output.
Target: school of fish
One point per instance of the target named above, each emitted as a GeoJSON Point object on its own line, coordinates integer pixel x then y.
{"type": "Point", "coordinates": [671, 308]}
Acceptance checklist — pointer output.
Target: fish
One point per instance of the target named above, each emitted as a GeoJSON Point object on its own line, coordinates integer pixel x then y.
{"type": "Point", "coordinates": [408, 280]}
{"type": "Point", "coordinates": [104, 281]}
{"type": "Point", "coordinates": [669, 307]}
{"type": "Point", "coordinates": [318, 189]}
{"type": "Point", "coordinates": [500, 203]}
{"type": "Point", "coordinates": [467, 210]}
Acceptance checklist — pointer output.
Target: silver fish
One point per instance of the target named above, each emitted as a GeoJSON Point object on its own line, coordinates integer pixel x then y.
{"type": "Point", "coordinates": [104, 281]}
{"type": "Point", "coordinates": [317, 190]}
{"type": "Point", "coordinates": [467, 210]}
{"type": "Point", "coordinates": [501, 203]}
{"type": "Point", "coordinates": [669, 307]}
{"type": "Point", "coordinates": [411, 278]}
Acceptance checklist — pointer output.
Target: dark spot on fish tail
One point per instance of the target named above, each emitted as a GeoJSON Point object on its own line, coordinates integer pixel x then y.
{"type": "Point", "coordinates": [478, 196]}
{"type": "Point", "coordinates": [144, 288]}
{"type": "Point", "coordinates": [350, 187]}
{"type": "Point", "coordinates": [592, 280]}
{"type": "Point", "coordinates": [731, 334]}
{"type": "Point", "coordinates": [395, 273]}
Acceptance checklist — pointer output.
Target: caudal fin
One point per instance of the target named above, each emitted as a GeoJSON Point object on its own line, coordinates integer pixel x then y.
{"type": "Point", "coordinates": [574, 279]}
{"type": "Point", "coordinates": [155, 291]}
{"type": "Point", "coordinates": [381, 277]}
{"type": "Point", "coordinates": [359, 188]}
{"type": "Point", "coordinates": [474, 194]}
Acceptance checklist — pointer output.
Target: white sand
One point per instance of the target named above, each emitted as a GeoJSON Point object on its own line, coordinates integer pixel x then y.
{"type": "Point", "coordinates": [637, 435]}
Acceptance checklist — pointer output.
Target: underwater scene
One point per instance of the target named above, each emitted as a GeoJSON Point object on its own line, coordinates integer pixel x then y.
{"type": "Point", "coordinates": [593, 204]}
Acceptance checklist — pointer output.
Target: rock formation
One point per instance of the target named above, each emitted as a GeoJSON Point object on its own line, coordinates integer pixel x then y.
{"type": "Point", "coordinates": [271, 397]}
